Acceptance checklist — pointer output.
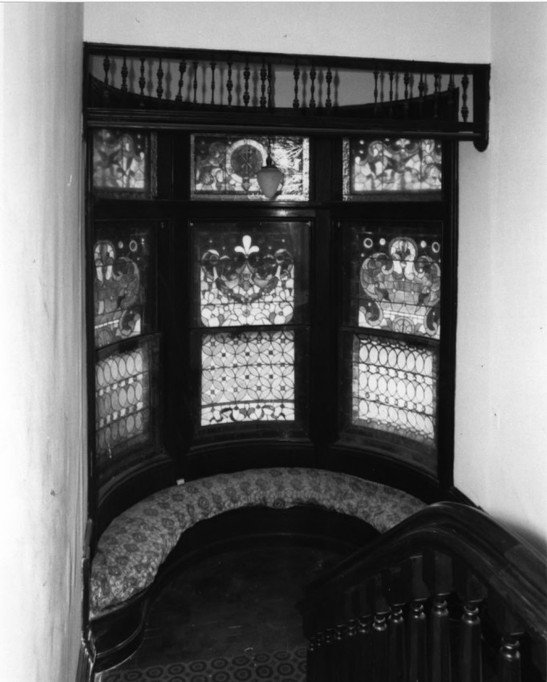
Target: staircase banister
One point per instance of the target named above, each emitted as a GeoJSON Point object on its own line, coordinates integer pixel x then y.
{"type": "Point", "coordinates": [513, 572]}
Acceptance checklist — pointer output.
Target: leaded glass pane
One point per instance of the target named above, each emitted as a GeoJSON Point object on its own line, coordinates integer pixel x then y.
{"type": "Point", "coordinates": [123, 162]}
{"type": "Point", "coordinates": [124, 392]}
{"type": "Point", "coordinates": [379, 167]}
{"type": "Point", "coordinates": [397, 280]}
{"type": "Point", "coordinates": [225, 167]}
{"type": "Point", "coordinates": [394, 387]}
{"type": "Point", "coordinates": [250, 274]}
{"type": "Point", "coordinates": [122, 286]}
{"type": "Point", "coordinates": [247, 377]}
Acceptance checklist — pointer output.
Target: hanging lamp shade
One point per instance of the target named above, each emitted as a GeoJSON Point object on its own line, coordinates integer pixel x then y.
{"type": "Point", "coordinates": [269, 178]}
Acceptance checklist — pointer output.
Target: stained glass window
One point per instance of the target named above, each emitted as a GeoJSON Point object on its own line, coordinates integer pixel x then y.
{"type": "Point", "coordinates": [396, 279]}
{"type": "Point", "coordinates": [247, 377]}
{"type": "Point", "coordinates": [122, 286]}
{"type": "Point", "coordinates": [374, 168]}
{"type": "Point", "coordinates": [124, 162]}
{"type": "Point", "coordinates": [225, 167]}
{"type": "Point", "coordinates": [125, 391]}
{"type": "Point", "coordinates": [394, 387]}
{"type": "Point", "coordinates": [250, 274]}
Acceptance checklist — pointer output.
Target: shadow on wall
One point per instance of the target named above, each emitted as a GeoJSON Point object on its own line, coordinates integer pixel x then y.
{"type": "Point", "coordinates": [538, 543]}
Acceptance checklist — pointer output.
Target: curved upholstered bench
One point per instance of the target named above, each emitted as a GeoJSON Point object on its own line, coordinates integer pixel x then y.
{"type": "Point", "coordinates": [133, 547]}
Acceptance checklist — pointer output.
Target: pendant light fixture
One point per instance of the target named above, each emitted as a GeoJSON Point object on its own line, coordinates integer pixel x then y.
{"type": "Point", "coordinates": [269, 176]}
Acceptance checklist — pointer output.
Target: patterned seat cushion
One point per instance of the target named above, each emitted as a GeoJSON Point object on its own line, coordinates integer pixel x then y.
{"type": "Point", "coordinates": [133, 547]}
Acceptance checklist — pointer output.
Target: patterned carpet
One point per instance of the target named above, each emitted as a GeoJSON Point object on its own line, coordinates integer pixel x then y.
{"type": "Point", "coordinates": [280, 666]}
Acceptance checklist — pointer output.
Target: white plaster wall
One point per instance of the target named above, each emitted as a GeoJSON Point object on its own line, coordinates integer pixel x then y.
{"type": "Point", "coordinates": [401, 30]}
{"type": "Point", "coordinates": [501, 411]}
{"type": "Point", "coordinates": [42, 418]}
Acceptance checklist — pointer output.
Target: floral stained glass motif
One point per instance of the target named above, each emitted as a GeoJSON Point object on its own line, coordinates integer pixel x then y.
{"type": "Point", "coordinates": [394, 387]}
{"type": "Point", "coordinates": [123, 401]}
{"type": "Point", "coordinates": [225, 167]}
{"type": "Point", "coordinates": [122, 260]}
{"type": "Point", "coordinates": [247, 377]}
{"type": "Point", "coordinates": [247, 274]}
{"type": "Point", "coordinates": [373, 167]}
{"type": "Point", "coordinates": [399, 282]}
{"type": "Point", "coordinates": [122, 161]}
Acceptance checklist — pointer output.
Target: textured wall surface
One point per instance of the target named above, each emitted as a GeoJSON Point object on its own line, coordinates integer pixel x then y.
{"type": "Point", "coordinates": [400, 30]}
{"type": "Point", "coordinates": [501, 430]}
{"type": "Point", "coordinates": [42, 418]}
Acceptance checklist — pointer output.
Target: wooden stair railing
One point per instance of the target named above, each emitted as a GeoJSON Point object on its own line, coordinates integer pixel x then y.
{"type": "Point", "coordinates": [448, 595]}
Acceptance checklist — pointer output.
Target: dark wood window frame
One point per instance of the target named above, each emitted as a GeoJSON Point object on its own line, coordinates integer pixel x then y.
{"type": "Point", "coordinates": [324, 439]}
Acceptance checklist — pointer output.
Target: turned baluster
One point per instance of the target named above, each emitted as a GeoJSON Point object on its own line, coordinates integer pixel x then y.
{"type": "Point", "coordinates": [465, 108]}
{"type": "Point", "coordinates": [350, 650]}
{"type": "Point", "coordinates": [396, 591]}
{"type": "Point", "coordinates": [263, 74]}
{"type": "Point", "coordinates": [328, 79]}
{"type": "Point", "coordinates": [380, 634]}
{"type": "Point", "coordinates": [422, 87]}
{"type": "Point", "coordinates": [328, 668]}
{"type": "Point", "coordinates": [142, 79]}
{"type": "Point", "coordinates": [417, 621]}
{"type": "Point", "coordinates": [337, 659]}
{"type": "Point", "coordinates": [159, 74]}
{"type": "Point", "coordinates": [195, 82]}
{"type": "Point", "coordinates": [312, 655]}
{"type": "Point", "coordinates": [438, 576]}
{"type": "Point", "coordinates": [313, 75]}
{"type": "Point", "coordinates": [106, 68]}
{"type": "Point", "coordinates": [270, 87]}
{"type": "Point", "coordinates": [509, 655]}
{"type": "Point", "coordinates": [406, 106]}
{"type": "Point", "coordinates": [124, 73]}
{"type": "Point", "coordinates": [229, 83]}
{"type": "Point", "coordinates": [246, 77]}
{"type": "Point", "coordinates": [296, 76]}
{"type": "Point", "coordinates": [451, 93]}
{"type": "Point", "coordinates": [472, 593]}
{"type": "Point", "coordinates": [213, 84]}
{"type": "Point", "coordinates": [391, 77]}
{"type": "Point", "coordinates": [509, 665]}
{"type": "Point", "coordinates": [437, 80]}
{"type": "Point", "coordinates": [363, 644]}
{"type": "Point", "coordinates": [182, 71]}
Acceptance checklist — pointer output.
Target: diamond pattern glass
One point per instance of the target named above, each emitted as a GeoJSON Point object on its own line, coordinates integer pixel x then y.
{"type": "Point", "coordinates": [124, 394]}
{"type": "Point", "coordinates": [394, 387]}
{"type": "Point", "coordinates": [247, 377]}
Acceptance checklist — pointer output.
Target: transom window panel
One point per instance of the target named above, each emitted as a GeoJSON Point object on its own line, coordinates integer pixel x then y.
{"type": "Point", "coordinates": [385, 168]}
{"type": "Point", "coordinates": [251, 274]}
{"type": "Point", "coordinates": [123, 293]}
{"type": "Point", "coordinates": [396, 278]}
{"type": "Point", "coordinates": [125, 394]}
{"type": "Point", "coordinates": [224, 167]}
{"type": "Point", "coordinates": [124, 163]}
{"type": "Point", "coordinates": [247, 377]}
{"type": "Point", "coordinates": [394, 387]}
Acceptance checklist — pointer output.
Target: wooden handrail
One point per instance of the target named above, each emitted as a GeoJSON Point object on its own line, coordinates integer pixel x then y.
{"type": "Point", "coordinates": [448, 551]}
